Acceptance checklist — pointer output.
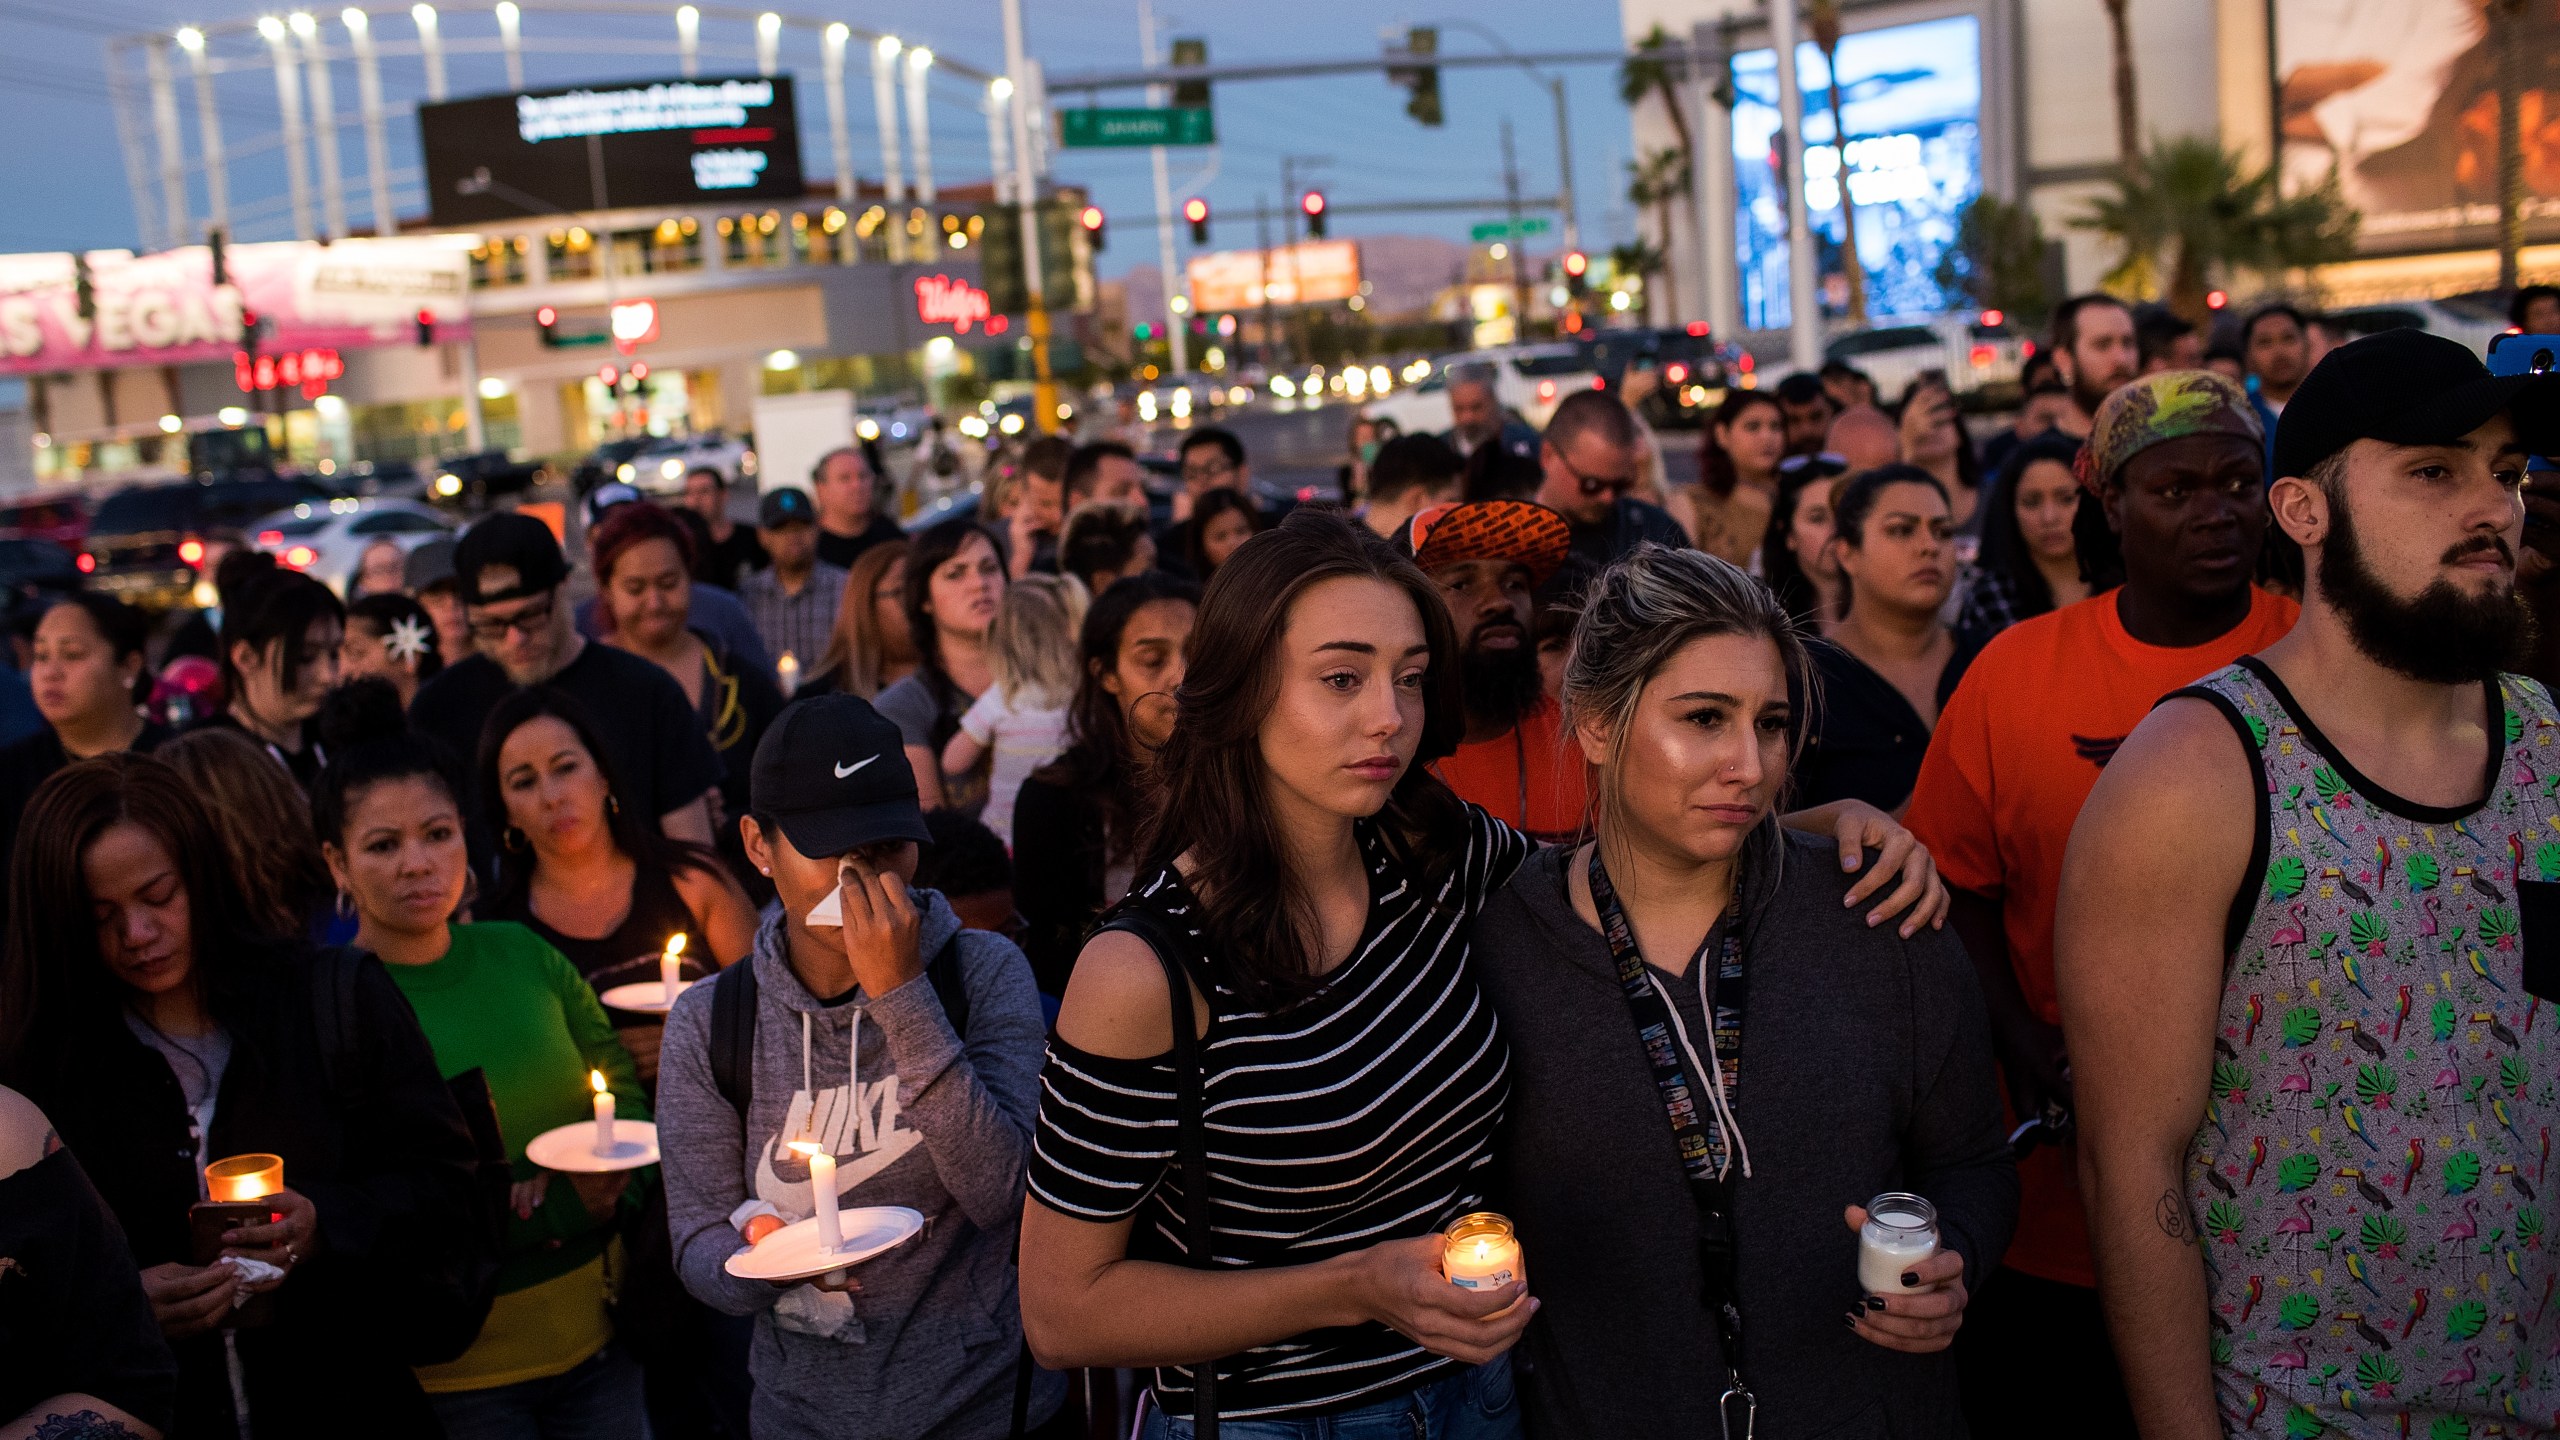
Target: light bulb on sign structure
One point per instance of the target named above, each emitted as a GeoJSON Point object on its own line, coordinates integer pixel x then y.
{"type": "Point", "coordinates": [769, 23]}
{"type": "Point", "coordinates": [303, 25]}
{"type": "Point", "coordinates": [838, 33]}
{"type": "Point", "coordinates": [356, 21]}
{"type": "Point", "coordinates": [920, 58]}
{"type": "Point", "coordinates": [190, 39]}
{"type": "Point", "coordinates": [1001, 88]}
{"type": "Point", "coordinates": [889, 46]}
{"type": "Point", "coordinates": [270, 29]}
{"type": "Point", "coordinates": [508, 15]}
{"type": "Point", "coordinates": [424, 17]}
{"type": "Point", "coordinates": [687, 16]}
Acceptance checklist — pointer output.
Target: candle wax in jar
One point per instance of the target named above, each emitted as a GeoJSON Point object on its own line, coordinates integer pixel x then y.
{"type": "Point", "coordinates": [1887, 1253]}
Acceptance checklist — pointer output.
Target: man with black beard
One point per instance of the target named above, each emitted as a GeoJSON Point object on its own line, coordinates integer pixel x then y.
{"type": "Point", "coordinates": [1487, 557]}
{"type": "Point", "coordinates": [2096, 351]}
{"type": "Point", "coordinates": [2346, 831]}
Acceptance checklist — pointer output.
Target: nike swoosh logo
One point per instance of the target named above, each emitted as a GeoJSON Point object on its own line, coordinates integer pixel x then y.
{"type": "Point", "coordinates": [844, 770]}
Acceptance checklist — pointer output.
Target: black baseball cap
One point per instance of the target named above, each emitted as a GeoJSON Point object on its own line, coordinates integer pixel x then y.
{"type": "Point", "coordinates": [833, 773]}
{"type": "Point", "coordinates": [2408, 387]}
{"type": "Point", "coordinates": [786, 505]}
{"type": "Point", "coordinates": [520, 544]}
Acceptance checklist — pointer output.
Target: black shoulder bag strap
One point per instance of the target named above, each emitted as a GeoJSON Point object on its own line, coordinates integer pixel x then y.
{"type": "Point", "coordinates": [1191, 1145]}
{"type": "Point", "coordinates": [733, 1019]}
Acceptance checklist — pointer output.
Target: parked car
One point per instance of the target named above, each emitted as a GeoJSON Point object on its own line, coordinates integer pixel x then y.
{"type": "Point", "coordinates": [146, 541]}
{"type": "Point", "coordinates": [1978, 352]}
{"type": "Point", "coordinates": [62, 519]}
{"type": "Point", "coordinates": [659, 468]}
{"type": "Point", "coordinates": [1529, 380]}
{"type": "Point", "coordinates": [2454, 319]}
{"type": "Point", "coordinates": [1678, 375]}
{"type": "Point", "coordinates": [383, 477]}
{"type": "Point", "coordinates": [481, 478]}
{"type": "Point", "coordinates": [326, 539]}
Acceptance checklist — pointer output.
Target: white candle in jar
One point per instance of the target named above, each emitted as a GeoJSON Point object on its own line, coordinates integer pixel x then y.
{"type": "Point", "coordinates": [671, 968]}
{"type": "Point", "coordinates": [1901, 1231]}
{"type": "Point", "coordinates": [1482, 1252]}
{"type": "Point", "coordinates": [604, 1113]}
{"type": "Point", "coordinates": [822, 1193]}
{"type": "Point", "coordinates": [786, 672]}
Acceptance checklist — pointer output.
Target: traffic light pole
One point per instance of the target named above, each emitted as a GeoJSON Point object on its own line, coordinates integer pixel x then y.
{"type": "Point", "coordinates": [1026, 195]}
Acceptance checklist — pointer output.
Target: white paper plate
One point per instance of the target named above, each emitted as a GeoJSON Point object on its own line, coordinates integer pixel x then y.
{"type": "Point", "coordinates": [792, 1252]}
{"type": "Point", "coordinates": [573, 1148]}
{"type": "Point", "coordinates": [643, 997]}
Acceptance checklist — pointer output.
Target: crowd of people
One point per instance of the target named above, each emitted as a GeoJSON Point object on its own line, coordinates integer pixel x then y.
{"type": "Point", "coordinates": [2082, 842]}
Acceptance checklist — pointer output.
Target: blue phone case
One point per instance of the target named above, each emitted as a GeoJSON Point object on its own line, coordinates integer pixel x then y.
{"type": "Point", "coordinates": [2514, 354]}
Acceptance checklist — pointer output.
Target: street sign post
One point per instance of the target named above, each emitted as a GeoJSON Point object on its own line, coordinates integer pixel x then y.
{"type": "Point", "coordinates": [1507, 229]}
{"type": "Point", "coordinates": [1136, 126]}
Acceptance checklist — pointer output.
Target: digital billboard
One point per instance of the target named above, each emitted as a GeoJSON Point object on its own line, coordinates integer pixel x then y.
{"type": "Point", "coordinates": [1912, 97]}
{"type": "Point", "coordinates": [662, 142]}
{"type": "Point", "coordinates": [1311, 271]}
{"type": "Point", "coordinates": [2401, 97]}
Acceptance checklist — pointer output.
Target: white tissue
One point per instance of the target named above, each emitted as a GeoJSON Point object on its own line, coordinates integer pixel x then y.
{"type": "Point", "coordinates": [255, 1275]}
{"type": "Point", "coordinates": [829, 911]}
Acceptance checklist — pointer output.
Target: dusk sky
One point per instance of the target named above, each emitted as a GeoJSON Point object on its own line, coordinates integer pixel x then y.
{"type": "Point", "coordinates": [68, 185]}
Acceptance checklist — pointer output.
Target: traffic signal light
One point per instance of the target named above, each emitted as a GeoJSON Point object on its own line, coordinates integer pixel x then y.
{"type": "Point", "coordinates": [426, 327]}
{"type": "Point", "coordinates": [1313, 204]}
{"type": "Point", "coordinates": [1091, 220]}
{"type": "Point", "coordinates": [1196, 210]}
{"type": "Point", "coordinates": [1417, 75]}
{"type": "Point", "coordinates": [1577, 271]}
{"type": "Point", "coordinates": [217, 242]}
{"type": "Point", "coordinates": [1190, 54]}
{"type": "Point", "coordinates": [546, 322]}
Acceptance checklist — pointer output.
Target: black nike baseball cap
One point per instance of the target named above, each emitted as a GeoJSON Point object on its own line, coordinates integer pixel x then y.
{"type": "Point", "coordinates": [2408, 387]}
{"type": "Point", "coordinates": [833, 773]}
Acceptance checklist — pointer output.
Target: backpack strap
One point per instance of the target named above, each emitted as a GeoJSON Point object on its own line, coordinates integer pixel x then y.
{"type": "Point", "coordinates": [733, 1035]}
{"type": "Point", "coordinates": [950, 986]}
{"type": "Point", "coordinates": [1191, 1145]}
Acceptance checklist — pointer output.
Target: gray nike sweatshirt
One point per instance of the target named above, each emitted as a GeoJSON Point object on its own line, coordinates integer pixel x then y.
{"type": "Point", "coordinates": [927, 1349]}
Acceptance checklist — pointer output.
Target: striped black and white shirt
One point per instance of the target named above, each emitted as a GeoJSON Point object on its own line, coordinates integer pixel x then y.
{"type": "Point", "coordinates": [1362, 1114]}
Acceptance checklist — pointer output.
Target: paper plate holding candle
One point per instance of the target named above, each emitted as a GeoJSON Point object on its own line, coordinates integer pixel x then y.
{"type": "Point", "coordinates": [646, 998]}
{"type": "Point", "coordinates": [597, 1147]}
{"type": "Point", "coordinates": [831, 1238]}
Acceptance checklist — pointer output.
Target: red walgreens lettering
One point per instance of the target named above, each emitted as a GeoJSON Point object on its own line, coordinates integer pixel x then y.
{"type": "Point", "coordinates": [941, 300]}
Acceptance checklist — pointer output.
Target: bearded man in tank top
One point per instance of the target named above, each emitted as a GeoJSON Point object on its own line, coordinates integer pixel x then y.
{"type": "Point", "coordinates": [2309, 921]}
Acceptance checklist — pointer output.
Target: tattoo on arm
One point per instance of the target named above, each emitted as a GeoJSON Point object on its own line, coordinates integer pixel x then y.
{"type": "Point", "coordinates": [84, 1425]}
{"type": "Point", "coordinates": [2174, 1221]}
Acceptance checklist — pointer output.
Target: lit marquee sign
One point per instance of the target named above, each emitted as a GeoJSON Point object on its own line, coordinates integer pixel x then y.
{"type": "Point", "coordinates": [663, 142]}
{"type": "Point", "coordinates": [943, 300]}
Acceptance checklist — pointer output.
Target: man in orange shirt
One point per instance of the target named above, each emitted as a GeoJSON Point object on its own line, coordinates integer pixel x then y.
{"type": "Point", "coordinates": [1487, 557]}
{"type": "Point", "coordinates": [2176, 462]}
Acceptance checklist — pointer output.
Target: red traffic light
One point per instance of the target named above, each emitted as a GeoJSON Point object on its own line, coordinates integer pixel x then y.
{"type": "Point", "coordinates": [1091, 219]}
{"type": "Point", "coordinates": [1576, 263]}
{"type": "Point", "coordinates": [609, 375]}
{"type": "Point", "coordinates": [1312, 202]}
{"type": "Point", "coordinates": [546, 317]}
{"type": "Point", "coordinates": [1195, 210]}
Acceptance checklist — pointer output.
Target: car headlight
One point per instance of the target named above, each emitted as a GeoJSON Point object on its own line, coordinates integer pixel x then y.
{"type": "Point", "coordinates": [671, 468]}
{"type": "Point", "coordinates": [1010, 424]}
{"type": "Point", "coordinates": [624, 472]}
{"type": "Point", "coordinates": [868, 429]}
{"type": "Point", "coordinates": [449, 484]}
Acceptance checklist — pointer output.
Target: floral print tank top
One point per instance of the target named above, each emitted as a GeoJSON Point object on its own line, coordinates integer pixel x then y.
{"type": "Point", "coordinates": [2373, 1176]}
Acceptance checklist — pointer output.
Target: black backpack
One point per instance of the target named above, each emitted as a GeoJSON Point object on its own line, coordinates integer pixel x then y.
{"type": "Point", "coordinates": [449, 1287]}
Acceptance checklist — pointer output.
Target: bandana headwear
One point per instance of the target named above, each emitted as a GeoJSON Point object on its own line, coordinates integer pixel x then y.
{"type": "Point", "coordinates": [2157, 408]}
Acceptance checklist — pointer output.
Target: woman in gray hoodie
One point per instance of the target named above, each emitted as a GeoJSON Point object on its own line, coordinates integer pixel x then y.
{"type": "Point", "coordinates": [908, 1049]}
{"type": "Point", "coordinates": [1716, 1064]}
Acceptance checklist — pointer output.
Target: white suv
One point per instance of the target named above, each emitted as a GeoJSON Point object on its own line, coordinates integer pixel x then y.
{"type": "Point", "coordinates": [1977, 351]}
{"type": "Point", "coordinates": [660, 468]}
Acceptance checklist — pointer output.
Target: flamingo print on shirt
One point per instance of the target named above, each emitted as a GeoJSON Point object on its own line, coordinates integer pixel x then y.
{"type": "Point", "coordinates": [2372, 1171]}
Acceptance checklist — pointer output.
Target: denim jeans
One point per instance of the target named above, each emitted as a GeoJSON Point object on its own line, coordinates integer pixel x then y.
{"type": "Point", "coordinates": [596, 1400]}
{"type": "Point", "coordinates": [1472, 1404]}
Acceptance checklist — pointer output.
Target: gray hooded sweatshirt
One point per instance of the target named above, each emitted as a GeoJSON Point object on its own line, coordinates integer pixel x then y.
{"type": "Point", "coordinates": [927, 1348]}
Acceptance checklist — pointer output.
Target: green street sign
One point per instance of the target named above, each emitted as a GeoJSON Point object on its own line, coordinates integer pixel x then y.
{"type": "Point", "coordinates": [1096, 128]}
{"type": "Point", "coordinates": [1508, 229]}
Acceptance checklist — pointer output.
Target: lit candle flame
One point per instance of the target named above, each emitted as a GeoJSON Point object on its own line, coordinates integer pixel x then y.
{"type": "Point", "coordinates": [595, 1078]}
{"type": "Point", "coordinates": [1484, 1249]}
{"type": "Point", "coordinates": [675, 945]}
{"type": "Point", "coordinates": [806, 1148]}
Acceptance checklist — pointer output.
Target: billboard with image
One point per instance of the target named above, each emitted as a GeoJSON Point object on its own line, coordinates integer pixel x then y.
{"type": "Point", "coordinates": [1912, 95]}
{"type": "Point", "coordinates": [656, 142]}
{"type": "Point", "coordinates": [2401, 97]}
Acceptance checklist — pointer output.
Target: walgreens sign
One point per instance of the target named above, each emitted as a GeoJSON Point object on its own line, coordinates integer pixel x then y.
{"type": "Point", "coordinates": [942, 300]}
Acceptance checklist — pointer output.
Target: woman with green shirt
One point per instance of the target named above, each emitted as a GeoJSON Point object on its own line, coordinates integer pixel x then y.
{"type": "Point", "coordinates": [495, 998]}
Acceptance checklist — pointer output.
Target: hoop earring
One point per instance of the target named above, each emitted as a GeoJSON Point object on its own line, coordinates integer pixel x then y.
{"type": "Point", "coordinates": [346, 906]}
{"type": "Point", "coordinates": [513, 839]}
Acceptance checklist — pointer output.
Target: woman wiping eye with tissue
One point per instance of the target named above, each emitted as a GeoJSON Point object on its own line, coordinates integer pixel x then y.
{"type": "Point", "coordinates": [867, 1026]}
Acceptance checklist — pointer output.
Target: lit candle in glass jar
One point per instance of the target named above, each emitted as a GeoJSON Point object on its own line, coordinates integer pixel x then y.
{"type": "Point", "coordinates": [671, 968]}
{"type": "Point", "coordinates": [244, 1177]}
{"type": "Point", "coordinates": [604, 1113]}
{"type": "Point", "coordinates": [1482, 1252]}
{"type": "Point", "coordinates": [822, 1192]}
{"type": "Point", "coordinates": [1901, 1231]}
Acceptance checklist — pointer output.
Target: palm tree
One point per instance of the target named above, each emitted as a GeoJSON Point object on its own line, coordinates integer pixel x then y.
{"type": "Point", "coordinates": [2507, 27]}
{"type": "Point", "coordinates": [1823, 16]}
{"type": "Point", "coordinates": [2128, 103]}
{"type": "Point", "coordinates": [1652, 73]}
{"type": "Point", "coordinates": [2188, 208]}
{"type": "Point", "coordinates": [1997, 260]}
{"type": "Point", "coordinates": [1659, 179]}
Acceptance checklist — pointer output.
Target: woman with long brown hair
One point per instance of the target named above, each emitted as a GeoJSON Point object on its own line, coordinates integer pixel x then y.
{"type": "Point", "coordinates": [1727, 512]}
{"type": "Point", "coordinates": [871, 648]}
{"type": "Point", "coordinates": [1312, 883]}
{"type": "Point", "coordinates": [264, 824]}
